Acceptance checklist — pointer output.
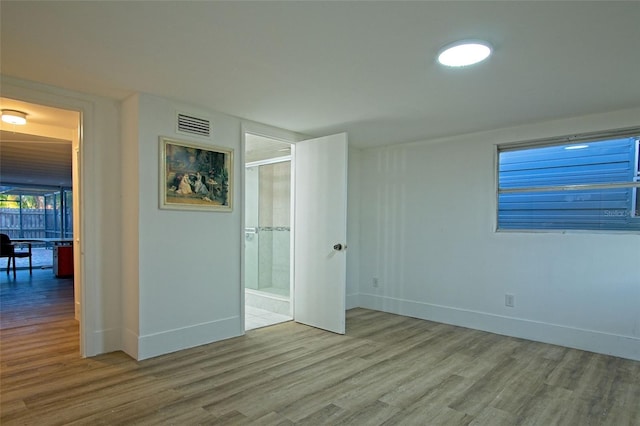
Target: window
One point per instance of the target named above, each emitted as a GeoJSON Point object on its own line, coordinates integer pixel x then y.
{"type": "Point", "coordinates": [588, 182]}
{"type": "Point", "coordinates": [35, 212]}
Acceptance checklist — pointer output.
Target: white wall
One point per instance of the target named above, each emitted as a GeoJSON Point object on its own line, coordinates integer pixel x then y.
{"type": "Point", "coordinates": [353, 227]}
{"type": "Point", "coordinates": [427, 219]}
{"type": "Point", "coordinates": [189, 261]}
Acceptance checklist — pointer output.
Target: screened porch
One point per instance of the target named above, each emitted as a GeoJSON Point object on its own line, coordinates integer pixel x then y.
{"type": "Point", "coordinates": [38, 212]}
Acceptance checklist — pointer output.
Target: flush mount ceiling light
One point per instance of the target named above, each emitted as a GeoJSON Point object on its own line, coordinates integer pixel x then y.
{"type": "Point", "coordinates": [12, 116]}
{"type": "Point", "coordinates": [464, 52]}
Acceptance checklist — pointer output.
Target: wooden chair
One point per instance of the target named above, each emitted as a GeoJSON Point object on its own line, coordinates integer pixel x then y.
{"type": "Point", "coordinates": [8, 250]}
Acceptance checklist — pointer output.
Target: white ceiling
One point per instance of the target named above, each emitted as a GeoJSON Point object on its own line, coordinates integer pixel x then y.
{"type": "Point", "coordinates": [367, 68]}
{"type": "Point", "coordinates": [34, 161]}
{"type": "Point", "coordinates": [260, 148]}
{"type": "Point", "coordinates": [40, 115]}
{"type": "Point", "coordinates": [38, 153]}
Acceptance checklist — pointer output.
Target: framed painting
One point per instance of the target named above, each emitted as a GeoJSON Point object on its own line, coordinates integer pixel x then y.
{"type": "Point", "coordinates": [195, 177]}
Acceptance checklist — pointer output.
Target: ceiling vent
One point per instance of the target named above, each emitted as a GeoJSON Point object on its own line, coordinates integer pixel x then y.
{"type": "Point", "coordinates": [193, 125]}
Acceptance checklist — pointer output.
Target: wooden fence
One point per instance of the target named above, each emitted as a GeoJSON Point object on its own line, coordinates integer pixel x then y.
{"type": "Point", "coordinates": [32, 226]}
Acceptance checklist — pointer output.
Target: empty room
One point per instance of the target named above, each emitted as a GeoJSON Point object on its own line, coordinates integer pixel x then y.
{"type": "Point", "coordinates": [439, 202]}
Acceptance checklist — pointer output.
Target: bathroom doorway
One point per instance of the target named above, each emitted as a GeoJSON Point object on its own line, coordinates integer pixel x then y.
{"type": "Point", "coordinates": [268, 234]}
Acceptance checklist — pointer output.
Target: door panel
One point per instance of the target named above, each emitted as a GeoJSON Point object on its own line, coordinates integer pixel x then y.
{"type": "Point", "coordinates": [320, 224]}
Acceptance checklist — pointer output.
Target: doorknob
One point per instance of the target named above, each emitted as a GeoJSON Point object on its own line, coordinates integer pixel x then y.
{"type": "Point", "coordinates": [340, 247]}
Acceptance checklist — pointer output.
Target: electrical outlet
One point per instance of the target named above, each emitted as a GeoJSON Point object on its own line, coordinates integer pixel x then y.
{"type": "Point", "coordinates": [375, 282]}
{"type": "Point", "coordinates": [509, 300]}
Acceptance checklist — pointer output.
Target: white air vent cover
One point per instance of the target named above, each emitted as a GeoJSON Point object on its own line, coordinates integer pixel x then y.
{"type": "Point", "coordinates": [193, 125]}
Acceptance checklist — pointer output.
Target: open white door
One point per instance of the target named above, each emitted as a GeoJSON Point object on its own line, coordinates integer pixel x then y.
{"type": "Point", "coordinates": [320, 262]}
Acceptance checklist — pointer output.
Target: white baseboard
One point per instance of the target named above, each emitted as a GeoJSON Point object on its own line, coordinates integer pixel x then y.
{"type": "Point", "coordinates": [165, 342]}
{"type": "Point", "coordinates": [352, 301]}
{"type": "Point", "coordinates": [588, 340]}
{"type": "Point", "coordinates": [130, 343]}
{"type": "Point", "coordinates": [104, 341]}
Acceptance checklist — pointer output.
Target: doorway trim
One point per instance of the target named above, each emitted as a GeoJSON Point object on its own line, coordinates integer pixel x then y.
{"type": "Point", "coordinates": [41, 95]}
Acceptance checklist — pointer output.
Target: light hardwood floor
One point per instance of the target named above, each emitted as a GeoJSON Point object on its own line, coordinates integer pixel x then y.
{"type": "Point", "coordinates": [388, 369]}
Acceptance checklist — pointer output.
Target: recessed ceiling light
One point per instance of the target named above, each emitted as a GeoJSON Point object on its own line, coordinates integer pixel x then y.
{"type": "Point", "coordinates": [464, 52]}
{"type": "Point", "coordinates": [12, 116]}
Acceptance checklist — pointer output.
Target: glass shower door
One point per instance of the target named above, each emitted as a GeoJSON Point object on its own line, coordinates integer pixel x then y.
{"type": "Point", "coordinates": [267, 236]}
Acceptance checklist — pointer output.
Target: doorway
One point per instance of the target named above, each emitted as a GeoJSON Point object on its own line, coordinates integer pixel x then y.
{"type": "Point", "coordinates": [39, 199]}
{"type": "Point", "coordinates": [268, 231]}
{"type": "Point", "coordinates": [317, 226]}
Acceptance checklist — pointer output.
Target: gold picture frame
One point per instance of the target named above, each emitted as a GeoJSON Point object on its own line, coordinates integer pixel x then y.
{"type": "Point", "coordinates": [195, 176]}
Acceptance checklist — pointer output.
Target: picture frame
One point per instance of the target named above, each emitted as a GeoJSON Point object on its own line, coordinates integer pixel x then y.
{"type": "Point", "coordinates": [195, 176]}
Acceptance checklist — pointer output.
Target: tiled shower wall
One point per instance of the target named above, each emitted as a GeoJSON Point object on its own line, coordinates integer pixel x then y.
{"type": "Point", "coordinates": [274, 227]}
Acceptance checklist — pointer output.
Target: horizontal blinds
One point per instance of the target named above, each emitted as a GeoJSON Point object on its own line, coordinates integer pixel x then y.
{"type": "Point", "coordinates": [551, 187]}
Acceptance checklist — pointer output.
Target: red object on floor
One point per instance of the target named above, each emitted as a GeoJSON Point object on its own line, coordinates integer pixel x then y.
{"type": "Point", "coordinates": [63, 261]}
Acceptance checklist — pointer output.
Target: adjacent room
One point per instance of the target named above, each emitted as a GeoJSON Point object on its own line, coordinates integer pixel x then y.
{"type": "Point", "coordinates": [37, 213]}
{"type": "Point", "coordinates": [321, 213]}
{"type": "Point", "coordinates": [267, 233]}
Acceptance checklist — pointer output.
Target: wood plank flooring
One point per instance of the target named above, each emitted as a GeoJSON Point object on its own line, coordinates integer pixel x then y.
{"type": "Point", "coordinates": [387, 370]}
{"type": "Point", "coordinates": [34, 298]}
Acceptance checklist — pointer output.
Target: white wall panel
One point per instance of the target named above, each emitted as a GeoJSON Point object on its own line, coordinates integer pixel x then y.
{"type": "Point", "coordinates": [189, 261]}
{"type": "Point", "coordinates": [427, 233]}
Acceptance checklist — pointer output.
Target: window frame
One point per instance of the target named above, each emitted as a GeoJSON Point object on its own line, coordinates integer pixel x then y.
{"type": "Point", "coordinates": [592, 137]}
{"type": "Point", "coordinates": [635, 204]}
